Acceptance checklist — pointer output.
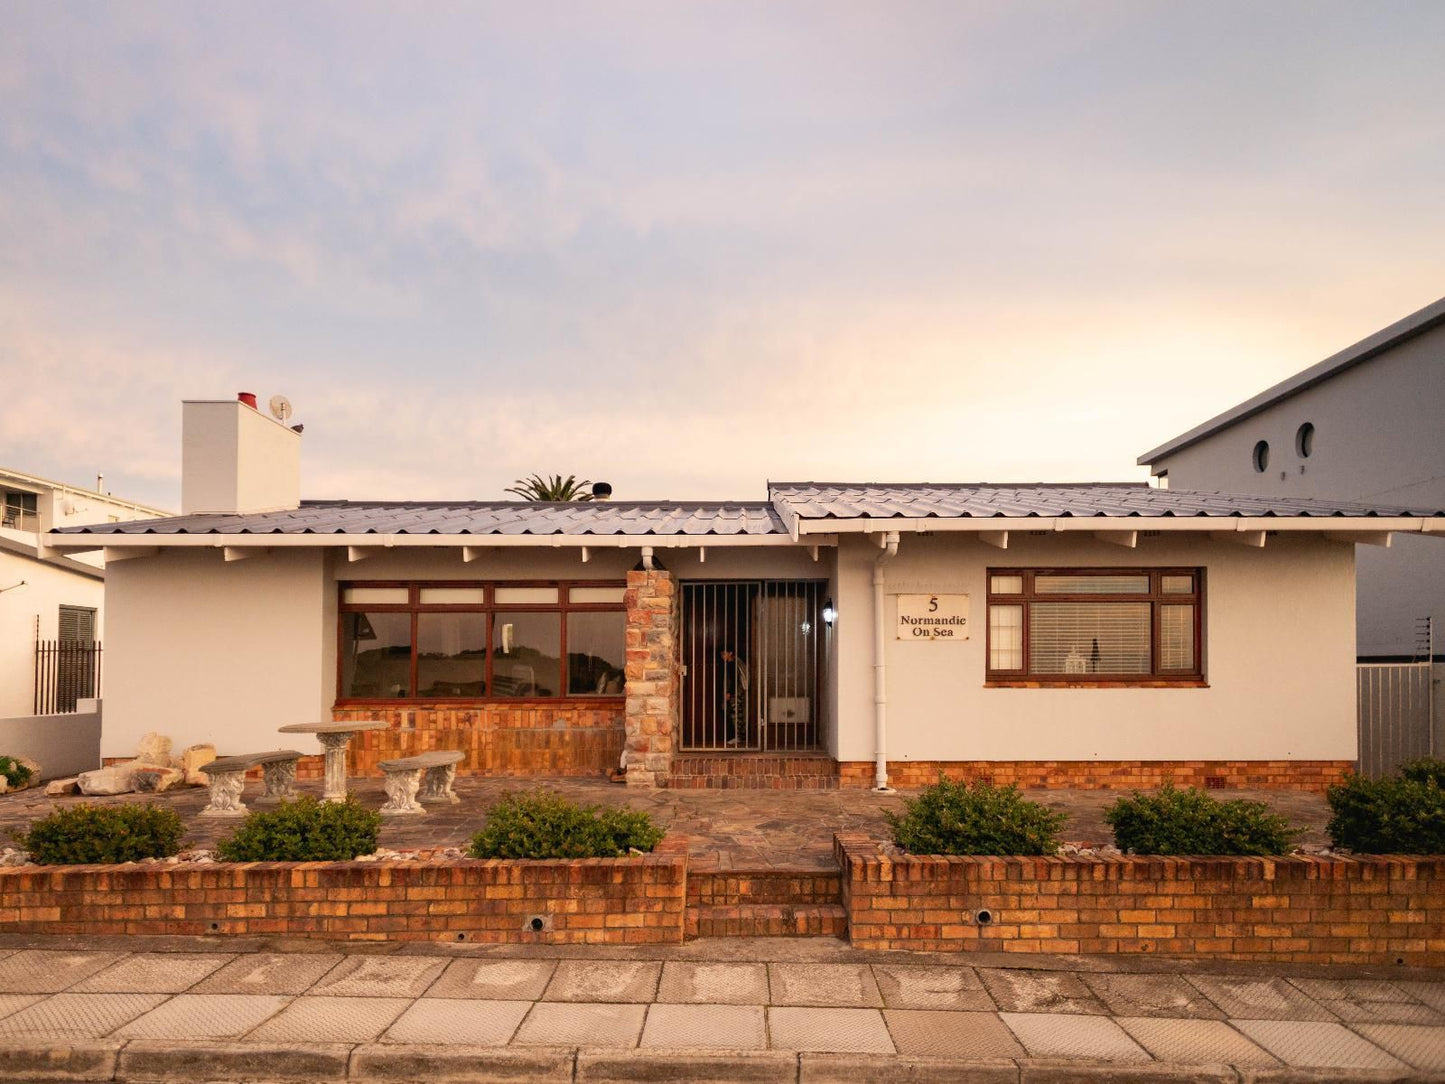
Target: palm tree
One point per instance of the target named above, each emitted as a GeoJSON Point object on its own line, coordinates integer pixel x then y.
{"type": "Point", "coordinates": [552, 488]}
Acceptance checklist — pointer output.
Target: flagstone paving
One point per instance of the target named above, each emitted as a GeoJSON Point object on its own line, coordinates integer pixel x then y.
{"type": "Point", "coordinates": [731, 829]}
{"type": "Point", "coordinates": [742, 997]}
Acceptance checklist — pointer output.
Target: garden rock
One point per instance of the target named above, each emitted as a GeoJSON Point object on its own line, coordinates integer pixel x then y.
{"type": "Point", "coordinates": [117, 779]}
{"type": "Point", "coordinates": [193, 760]}
{"type": "Point", "coordinates": [154, 749]}
{"type": "Point", "coordinates": [34, 766]}
{"type": "Point", "coordinates": [4, 784]}
{"type": "Point", "coordinates": [57, 787]}
{"type": "Point", "coordinates": [150, 780]}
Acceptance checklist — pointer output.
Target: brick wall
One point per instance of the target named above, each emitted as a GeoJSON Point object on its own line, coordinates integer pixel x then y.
{"type": "Point", "coordinates": [639, 900]}
{"type": "Point", "coordinates": [1378, 910]}
{"type": "Point", "coordinates": [566, 738]}
{"type": "Point", "coordinates": [1311, 775]}
{"type": "Point", "coordinates": [653, 677]}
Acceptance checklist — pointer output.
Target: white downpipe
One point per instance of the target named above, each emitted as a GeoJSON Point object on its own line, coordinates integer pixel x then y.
{"type": "Point", "coordinates": [647, 558]}
{"type": "Point", "coordinates": [889, 542]}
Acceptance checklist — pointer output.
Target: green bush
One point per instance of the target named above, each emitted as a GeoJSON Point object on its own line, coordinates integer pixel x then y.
{"type": "Point", "coordinates": [541, 824]}
{"type": "Point", "coordinates": [86, 834]}
{"type": "Point", "coordinates": [1191, 822]}
{"type": "Point", "coordinates": [955, 818]}
{"type": "Point", "coordinates": [1424, 770]}
{"type": "Point", "coordinates": [15, 773]}
{"type": "Point", "coordinates": [1404, 814]}
{"type": "Point", "coordinates": [304, 830]}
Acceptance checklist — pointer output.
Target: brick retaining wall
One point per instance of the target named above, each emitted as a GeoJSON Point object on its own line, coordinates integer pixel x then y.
{"type": "Point", "coordinates": [638, 900]}
{"type": "Point", "coordinates": [1310, 775]}
{"type": "Point", "coordinates": [1355, 910]}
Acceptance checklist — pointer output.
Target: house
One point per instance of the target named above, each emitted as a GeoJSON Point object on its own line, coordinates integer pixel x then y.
{"type": "Point", "coordinates": [1363, 426]}
{"type": "Point", "coordinates": [48, 598]}
{"type": "Point", "coordinates": [1080, 635]}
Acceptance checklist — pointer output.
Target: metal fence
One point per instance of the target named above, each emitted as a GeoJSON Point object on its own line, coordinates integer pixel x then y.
{"type": "Point", "coordinates": [65, 671]}
{"type": "Point", "coordinates": [1395, 713]}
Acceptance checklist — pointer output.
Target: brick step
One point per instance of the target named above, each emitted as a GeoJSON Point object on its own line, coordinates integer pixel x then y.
{"type": "Point", "coordinates": [763, 771]}
{"type": "Point", "coordinates": [767, 920]}
{"type": "Point", "coordinates": [744, 782]}
{"type": "Point", "coordinates": [731, 888]}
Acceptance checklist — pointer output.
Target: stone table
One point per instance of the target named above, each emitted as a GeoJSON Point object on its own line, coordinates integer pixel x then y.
{"type": "Point", "coordinates": [334, 738]}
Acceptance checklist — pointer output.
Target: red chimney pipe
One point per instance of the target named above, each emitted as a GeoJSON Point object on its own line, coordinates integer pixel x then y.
{"type": "Point", "coordinates": [247, 397]}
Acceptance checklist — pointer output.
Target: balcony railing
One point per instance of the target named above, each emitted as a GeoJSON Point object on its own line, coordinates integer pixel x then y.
{"type": "Point", "coordinates": [20, 519]}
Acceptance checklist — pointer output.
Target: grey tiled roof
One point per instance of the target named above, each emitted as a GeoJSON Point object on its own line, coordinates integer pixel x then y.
{"type": "Point", "coordinates": [474, 517]}
{"type": "Point", "coordinates": [844, 500]}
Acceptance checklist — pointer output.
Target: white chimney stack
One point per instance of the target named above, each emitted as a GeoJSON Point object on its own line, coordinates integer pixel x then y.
{"type": "Point", "coordinates": [235, 459]}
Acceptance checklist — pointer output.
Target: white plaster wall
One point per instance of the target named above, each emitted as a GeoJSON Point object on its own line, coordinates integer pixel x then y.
{"type": "Point", "coordinates": [46, 589]}
{"type": "Point", "coordinates": [204, 650]}
{"type": "Point", "coordinates": [1279, 660]}
{"type": "Point", "coordinates": [236, 459]}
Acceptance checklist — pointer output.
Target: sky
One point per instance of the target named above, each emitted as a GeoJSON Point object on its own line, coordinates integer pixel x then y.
{"type": "Point", "coordinates": [691, 247]}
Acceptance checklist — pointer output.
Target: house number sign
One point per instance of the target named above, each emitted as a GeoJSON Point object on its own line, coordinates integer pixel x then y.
{"type": "Point", "coordinates": [932, 617]}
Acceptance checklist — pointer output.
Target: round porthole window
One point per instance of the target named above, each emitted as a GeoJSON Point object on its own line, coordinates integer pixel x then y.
{"type": "Point", "coordinates": [1261, 456]}
{"type": "Point", "coordinates": [1304, 440]}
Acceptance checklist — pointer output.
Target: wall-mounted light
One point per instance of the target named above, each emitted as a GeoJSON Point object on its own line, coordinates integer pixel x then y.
{"type": "Point", "coordinates": [829, 613]}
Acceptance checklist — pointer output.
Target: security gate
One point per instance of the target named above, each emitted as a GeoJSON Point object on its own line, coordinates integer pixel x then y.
{"type": "Point", "coordinates": [1396, 717]}
{"type": "Point", "coordinates": [752, 656]}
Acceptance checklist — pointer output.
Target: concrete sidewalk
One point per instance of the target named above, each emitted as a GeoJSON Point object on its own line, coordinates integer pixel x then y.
{"type": "Point", "coordinates": [736, 1010]}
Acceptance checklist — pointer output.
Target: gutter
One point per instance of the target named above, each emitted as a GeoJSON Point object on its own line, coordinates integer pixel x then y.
{"type": "Point", "coordinates": [889, 544]}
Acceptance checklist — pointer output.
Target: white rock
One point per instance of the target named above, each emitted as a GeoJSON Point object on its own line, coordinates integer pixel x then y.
{"type": "Point", "coordinates": [193, 760]}
{"type": "Point", "coordinates": [148, 779]}
{"type": "Point", "coordinates": [117, 779]}
{"type": "Point", "coordinates": [4, 784]}
{"type": "Point", "coordinates": [57, 787]}
{"type": "Point", "coordinates": [154, 749]}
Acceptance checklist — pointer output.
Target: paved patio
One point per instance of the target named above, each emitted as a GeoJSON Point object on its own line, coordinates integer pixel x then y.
{"type": "Point", "coordinates": [786, 1008]}
{"type": "Point", "coordinates": [734, 829]}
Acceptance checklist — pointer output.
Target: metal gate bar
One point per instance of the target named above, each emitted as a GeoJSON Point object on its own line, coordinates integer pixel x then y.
{"type": "Point", "coordinates": [1395, 714]}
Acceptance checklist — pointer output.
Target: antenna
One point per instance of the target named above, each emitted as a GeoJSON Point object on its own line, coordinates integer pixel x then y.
{"type": "Point", "coordinates": [280, 408]}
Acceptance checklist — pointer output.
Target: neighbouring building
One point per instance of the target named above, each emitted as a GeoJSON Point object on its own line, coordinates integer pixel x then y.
{"type": "Point", "coordinates": [52, 605]}
{"type": "Point", "coordinates": [1366, 425]}
{"type": "Point", "coordinates": [853, 634]}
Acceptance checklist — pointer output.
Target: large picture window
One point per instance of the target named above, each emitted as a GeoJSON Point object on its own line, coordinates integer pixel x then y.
{"type": "Point", "coordinates": [481, 641]}
{"type": "Point", "coordinates": [1095, 626]}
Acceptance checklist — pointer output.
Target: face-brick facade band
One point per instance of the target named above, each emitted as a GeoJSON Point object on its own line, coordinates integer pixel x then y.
{"type": "Point", "coordinates": [1310, 775]}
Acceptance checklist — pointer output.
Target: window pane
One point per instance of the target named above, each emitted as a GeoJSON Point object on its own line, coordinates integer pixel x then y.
{"type": "Point", "coordinates": [1089, 638]}
{"type": "Point", "coordinates": [453, 596]}
{"type": "Point", "coordinates": [1176, 638]}
{"type": "Point", "coordinates": [527, 654]}
{"type": "Point", "coordinates": [1005, 637]}
{"type": "Point", "coordinates": [596, 652]}
{"type": "Point", "coordinates": [451, 654]}
{"type": "Point", "coordinates": [512, 596]}
{"type": "Point", "coordinates": [596, 594]}
{"type": "Point", "coordinates": [378, 596]}
{"type": "Point", "coordinates": [376, 655]}
{"type": "Point", "coordinates": [1086, 584]}
{"type": "Point", "coordinates": [1177, 585]}
{"type": "Point", "coordinates": [1007, 585]}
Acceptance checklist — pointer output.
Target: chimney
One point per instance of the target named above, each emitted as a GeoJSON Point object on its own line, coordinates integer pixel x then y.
{"type": "Point", "coordinates": [235, 459]}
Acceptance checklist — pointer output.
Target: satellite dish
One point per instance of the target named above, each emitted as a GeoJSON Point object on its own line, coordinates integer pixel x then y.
{"type": "Point", "coordinates": [280, 408]}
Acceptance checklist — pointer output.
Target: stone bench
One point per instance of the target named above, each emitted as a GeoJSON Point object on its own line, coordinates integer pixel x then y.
{"type": "Point", "coordinates": [228, 780]}
{"type": "Point", "coordinates": [404, 776]}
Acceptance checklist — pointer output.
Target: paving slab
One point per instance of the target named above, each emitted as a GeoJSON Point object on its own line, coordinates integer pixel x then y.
{"type": "Point", "coordinates": [45, 971]}
{"type": "Point", "coordinates": [1431, 993]}
{"type": "Point", "coordinates": [908, 987]}
{"type": "Point", "coordinates": [717, 1067]}
{"type": "Point", "coordinates": [1317, 1044]}
{"type": "Point", "coordinates": [580, 1023]}
{"type": "Point", "coordinates": [1152, 995]}
{"type": "Point", "coordinates": [77, 1016]}
{"type": "Point", "coordinates": [458, 1020]}
{"type": "Point", "coordinates": [603, 980]}
{"type": "Point", "coordinates": [842, 985]}
{"type": "Point", "coordinates": [717, 1027]}
{"type": "Point", "coordinates": [331, 1020]}
{"type": "Point", "coordinates": [1195, 1042]}
{"type": "Point", "coordinates": [713, 983]}
{"type": "Point", "coordinates": [10, 1003]}
{"type": "Point", "coordinates": [1051, 1035]}
{"type": "Point", "coordinates": [500, 980]}
{"type": "Point", "coordinates": [203, 1016]}
{"type": "Point", "coordinates": [1259, 999]}
{"type": "Point", "coordinates": [270, 973]}
{"type": "Point", "coordinates": [458, 1064]}
{"type": "Point", "coordinates": [1422, 1047]}
{"type": "Point", "coordinates": [1361, 1001]}
{"type": "Point", "coordinates": [179, 1059]}
{"type": "Point", "coordinates": [154, 973]}
{"type": "Point", "coordinates": [380, 976]}
{"type": "Point", "coordinates": [829, 1031]}
{"type": "Point", "coordinates": [939, 1033]}
{"type": "Point", "coordinates": [1020, 990]}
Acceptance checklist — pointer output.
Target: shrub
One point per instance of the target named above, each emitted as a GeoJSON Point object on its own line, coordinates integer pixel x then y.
{"type": "Point", "coordinates": [304, 830]}
{"type": "Point", "coordinates": [1191, 822]}
{"type": "Point", "coordinates": [1424, 770]}
{"type": "Point", "coordinates": [1404, 814]}
{"type": "Point", "coordinates": [546, 825]}
{"type": "Point", "coordinates": [955, 818]}
{"type": "Point", "coordinates": [116, 833]}
{"type": "Point", "coordinates": [15, 773]}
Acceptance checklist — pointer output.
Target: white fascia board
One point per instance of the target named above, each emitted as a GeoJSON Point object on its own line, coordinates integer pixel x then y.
{"type": "Point", "coordinates": [78, 543]}
{"type": "Point", "coordinates": [1205, 524]}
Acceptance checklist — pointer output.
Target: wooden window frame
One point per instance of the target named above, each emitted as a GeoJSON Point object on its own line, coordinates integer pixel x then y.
{"type": "Point", "coordinates": [415, 607]}
{"type": "Point", "coordinates": [1155, 597]}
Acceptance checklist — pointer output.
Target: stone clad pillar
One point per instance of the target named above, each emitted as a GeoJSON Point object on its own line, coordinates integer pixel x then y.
{"type": "Point", "coordinates": [653, 677]}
